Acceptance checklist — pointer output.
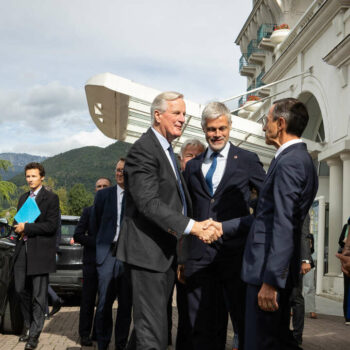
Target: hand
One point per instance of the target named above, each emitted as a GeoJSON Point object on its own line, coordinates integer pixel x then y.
{"type": "Point", "coordinates": [19, 228]}
{"type": "Point", "coordinates": [181, 273]}
{"type": "Point", "coordinates": [345, 263]}
{"type": "Point", "coordinates": [305, 268]}
{"type": "Point", "coordinates": [208, 231]}
{"type": "Point", "coordinates": [267, 298]}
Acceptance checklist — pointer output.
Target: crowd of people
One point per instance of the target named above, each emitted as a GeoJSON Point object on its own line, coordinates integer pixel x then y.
{"type": "Point", "coordinates": [231, 238]}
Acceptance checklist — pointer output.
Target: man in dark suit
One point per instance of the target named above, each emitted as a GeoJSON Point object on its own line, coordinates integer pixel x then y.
{"type": "Point", "coordinates": [156, 216]}
{"type": "Point", "coordinates": [85, 236]}
{"type": "Point", "coordinates": [271, 262]}
{"type": "Point", "coordinates": [113, 278]}
{"type": "Point", "coordinates": [35, 254]}
{"type": "Point", "coordinates": [220, 182]}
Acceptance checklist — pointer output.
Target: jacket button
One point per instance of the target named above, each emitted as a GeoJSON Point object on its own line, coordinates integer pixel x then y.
{"type": "Point", "coordinates": [212, 200]}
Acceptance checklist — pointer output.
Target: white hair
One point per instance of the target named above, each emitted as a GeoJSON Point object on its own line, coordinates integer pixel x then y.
{"type": "Point", "coordinates": [160, 102]}
{"type": "Point", "coordinates": [215, 110]}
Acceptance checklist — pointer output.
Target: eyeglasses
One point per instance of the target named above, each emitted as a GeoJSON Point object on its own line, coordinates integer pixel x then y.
{"type": "Point", "coordinates": [120, 171]}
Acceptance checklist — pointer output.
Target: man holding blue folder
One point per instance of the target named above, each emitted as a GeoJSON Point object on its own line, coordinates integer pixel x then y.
{"type": "Point", "coordinates": [36, 225]}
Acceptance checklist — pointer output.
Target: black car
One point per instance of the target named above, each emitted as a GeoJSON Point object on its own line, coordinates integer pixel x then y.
{"type": "Point", "coordinates": [66, 280]}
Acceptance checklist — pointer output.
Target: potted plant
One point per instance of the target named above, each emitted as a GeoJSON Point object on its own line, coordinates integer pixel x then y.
{"type": "Point", "coordinates": [279, 33]}
{"type": "Point", "coordinates": [252, 103]}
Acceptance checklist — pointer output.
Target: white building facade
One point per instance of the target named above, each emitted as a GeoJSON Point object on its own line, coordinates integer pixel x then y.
{"type": "Point", "coordinates": [314, 52]}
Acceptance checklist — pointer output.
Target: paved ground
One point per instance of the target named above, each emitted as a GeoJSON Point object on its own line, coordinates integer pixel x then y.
{"type": "Point", "coordinates": [328, 332]}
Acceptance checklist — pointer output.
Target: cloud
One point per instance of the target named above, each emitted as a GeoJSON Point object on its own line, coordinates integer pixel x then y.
{"type": "Point", "coordinates": [43, 107]}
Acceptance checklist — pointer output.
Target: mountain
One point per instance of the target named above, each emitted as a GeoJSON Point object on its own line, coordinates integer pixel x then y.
{"type": "Point", "coordinates": [18, 160]}
{"type": "Point", "coordinates": [82, 165]}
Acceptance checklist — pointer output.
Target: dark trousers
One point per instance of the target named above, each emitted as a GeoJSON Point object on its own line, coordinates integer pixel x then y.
{"type": "Point", "coordinates": [151, 291]}
{"type": "Point", "coordinates": [297, 304]}
{"type": "Point", "coordinates": [88, 298]}
{"type": "Point", "coordinates": [268, 330]}
{"type": "Point", "coordinates": [213, 291]}
{"type": "Point", "coordinates": [183, 336]}
{"type": "Point", "coordinates": [32, 291]}
{"type": "Point", "coordinates": [346, 301]}
{"type": "Point", "coordinates": [113, 281]}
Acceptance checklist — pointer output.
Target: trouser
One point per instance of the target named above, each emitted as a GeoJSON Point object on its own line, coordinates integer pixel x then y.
{"type": "Point", "coordinates": [88, 299]}
{"type": "Point", "coordinates": [214, 290]}
{"type": "Point", "coordinates": [151, 291]}
{"type": "Point", "coordinates": [346, 302]}
{"type": "Point", "coordinates": [298, 308]}
{"type": "Point", "coordinates": [113, 280]}
{"type": "Point", "coordinates": [309, 291]}
{"type": "Point", "coordinates": [268, 330]}
{"type": "Point", "coordinates": [32, 291]}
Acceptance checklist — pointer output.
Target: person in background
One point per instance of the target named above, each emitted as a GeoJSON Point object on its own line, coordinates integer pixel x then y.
{"type": "Point", "coordinates": [84, 235]}
{"type": "Point", "coordinates": [346, 301]}
{"type": "Point", "coordinates": [297, 299]}
{"type": "Point", "coordinates": [309, 289]}
{"type": "Point", "coordinates": [35, 255]}
{"type": "Point", "coordinates": [113, 277]}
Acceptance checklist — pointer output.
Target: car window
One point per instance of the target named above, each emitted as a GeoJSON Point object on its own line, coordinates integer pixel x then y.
{"type": "Point", "coordinates": [67, 229]}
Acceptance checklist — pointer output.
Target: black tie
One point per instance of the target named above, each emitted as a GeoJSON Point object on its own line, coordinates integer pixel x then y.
{"type": "Point", "coordinates": [182, 193]}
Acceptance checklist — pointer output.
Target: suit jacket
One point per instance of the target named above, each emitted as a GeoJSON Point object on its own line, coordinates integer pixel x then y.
{"type": "Point", "coordinates": [305, 248]}
{"type": "Point", "coordinates": [272, 252]}
{"type": "Point", "coordinates": [104, 221]}
{"type": "Point", "coordinates": [231, 200]}
{"type": "Point", "coordinates": [41, 242]}
{"type": "Point", "coordinates": [153, 220]}
{"type": "Point", "coordinates": [84, 235]}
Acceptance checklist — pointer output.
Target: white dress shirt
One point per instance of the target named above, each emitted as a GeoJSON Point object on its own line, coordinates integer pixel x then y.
{"type": "Point", "coordinates": [286, 145]}
{"type": "Point", "coordinates": [220, 166]}
{"type": "Point", "coordinates": [120, 195]}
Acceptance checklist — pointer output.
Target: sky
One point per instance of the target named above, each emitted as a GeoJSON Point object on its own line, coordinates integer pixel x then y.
{"type": "Point", "coordinates": [50, 48]}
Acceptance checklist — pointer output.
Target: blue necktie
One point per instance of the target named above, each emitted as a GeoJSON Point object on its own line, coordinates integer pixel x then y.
{"type": "Point", "coordinates": [182, 193]}
{"type": "Point", "coordinates": [211, 171]}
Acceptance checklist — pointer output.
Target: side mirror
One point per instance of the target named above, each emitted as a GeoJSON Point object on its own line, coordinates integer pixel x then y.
{"type": "Point", "coordinates": [5, 228]}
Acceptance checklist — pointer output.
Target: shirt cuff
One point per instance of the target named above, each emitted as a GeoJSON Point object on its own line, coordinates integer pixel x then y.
{"type": "Point", "coordinates": [189, 226]}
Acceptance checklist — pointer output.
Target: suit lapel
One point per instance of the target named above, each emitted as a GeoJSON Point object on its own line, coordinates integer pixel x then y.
{"type": "Point", "coordinates": [231, 166]}
{"type": "Point", "coordinates": [198, 172]}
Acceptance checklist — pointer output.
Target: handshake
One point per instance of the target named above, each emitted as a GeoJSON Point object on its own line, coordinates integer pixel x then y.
{"type": "Point", "coordinates": [207, 231]}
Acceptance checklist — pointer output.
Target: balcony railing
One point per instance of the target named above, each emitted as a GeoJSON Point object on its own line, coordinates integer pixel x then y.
{"type": "Point", "coordinates": [243, 61]}
{"type": "Point", "coordinates": [258, 79]}
{"type": "Point", "coordinates": [242, 101]}
{"type": "Point", "coordinates": [265, 31]}
{"type": "Point", "coordinates": [253, 48]}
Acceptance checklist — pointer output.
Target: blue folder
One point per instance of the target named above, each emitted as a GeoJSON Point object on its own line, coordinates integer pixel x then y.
{"type": "Point", "coordinates": [29, 211]}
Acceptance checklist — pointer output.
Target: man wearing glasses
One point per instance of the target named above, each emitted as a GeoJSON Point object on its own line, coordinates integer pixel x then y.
{"type": "Point", "coordinates": [113, 279]}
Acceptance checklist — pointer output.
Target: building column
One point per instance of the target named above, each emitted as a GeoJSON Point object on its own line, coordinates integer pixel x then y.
{"type": "Point", "coordinates": [345, 157]}
{"type": "Point", "coordinates": [335, 213]}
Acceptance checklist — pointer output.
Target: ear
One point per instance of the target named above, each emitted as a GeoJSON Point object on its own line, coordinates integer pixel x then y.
{"type": "Point", "coordinates": [282, 125]}
{"type": "Point", "coordinates": [157, 116]}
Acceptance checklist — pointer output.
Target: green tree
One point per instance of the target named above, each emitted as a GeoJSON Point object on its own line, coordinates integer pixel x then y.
{"type": "Point", "coordinates": [78, 198]}
{"type": "Point", "coordinates": [60, 191]}
{"type": "Point", "coordinates": [6, 188]}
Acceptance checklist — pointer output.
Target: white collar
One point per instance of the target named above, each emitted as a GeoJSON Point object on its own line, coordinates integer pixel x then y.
{"type": "Point", "coordinates": [223, 153]}
{"type": "Point", "coordinates": [286, 145]}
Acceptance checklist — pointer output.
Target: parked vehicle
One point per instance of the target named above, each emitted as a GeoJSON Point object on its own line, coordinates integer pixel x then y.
{"type": "Point", "coordinates": [67, 279]}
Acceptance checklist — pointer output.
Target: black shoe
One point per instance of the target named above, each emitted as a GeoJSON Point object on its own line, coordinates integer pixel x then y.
{"type": "Point", "coordinates": [32, 343]}
{"type": "Point", "coordinates": [56, 307]}
{"type": "Point", "coordinates": [24, 336]}
{"type": "Point", "coordinates": [85, 341]}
